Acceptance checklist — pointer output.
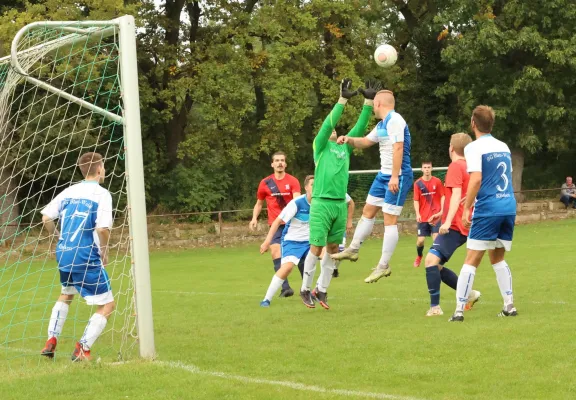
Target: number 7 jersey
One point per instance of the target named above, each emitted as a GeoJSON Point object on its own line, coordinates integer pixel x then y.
{"type": "Point", "coordinates": [493, 159]}
{"type": "Point", "coordinates": [81, 209]}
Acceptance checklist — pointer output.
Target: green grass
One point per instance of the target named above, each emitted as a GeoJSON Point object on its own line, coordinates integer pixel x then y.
{"type": "Point", "coordinates": [215, 342]}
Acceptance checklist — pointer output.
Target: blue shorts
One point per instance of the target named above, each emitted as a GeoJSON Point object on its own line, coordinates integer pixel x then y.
{"type": "Point", "coordinates": [293, 251]}
{"type": "Point", "coordinates": [380, 196]}
{"type": "Point", "coordinates": [92, 284]}
{"type": "Point", "coordinates": [277, 238]}
{"type": "Point", "coordinates": [445, 245]}
{"type": "Point", "coordinates": [425, 229]}
{"type": "Point", "coordinates": [489, 233]}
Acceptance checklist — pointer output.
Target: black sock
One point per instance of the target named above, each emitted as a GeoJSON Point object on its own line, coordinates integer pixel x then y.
{"type": "Point", "coordinates": [433, 280]}
{"type": "Point", "coordinates": [277, 263]}
{"type": "Point", "coordinates": [301, 266]}
{"type": "Point", "coordinates": [449, 277]}
{"type": "Point", "coordinates": [420, 250]}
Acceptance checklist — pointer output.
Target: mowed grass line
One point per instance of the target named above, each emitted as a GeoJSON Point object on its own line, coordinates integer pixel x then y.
{"type": "Point", "coordinates": [375, 339]}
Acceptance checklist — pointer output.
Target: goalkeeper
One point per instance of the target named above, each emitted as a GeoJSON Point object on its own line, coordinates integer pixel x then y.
{"type": "Point", "coordinates": [328, 211]}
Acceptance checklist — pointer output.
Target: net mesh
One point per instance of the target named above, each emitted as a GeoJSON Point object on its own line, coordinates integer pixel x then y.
{"type": "Point", "coordinates": [359, 185]}
{"type": "Point", "coordinates": [42, 136]}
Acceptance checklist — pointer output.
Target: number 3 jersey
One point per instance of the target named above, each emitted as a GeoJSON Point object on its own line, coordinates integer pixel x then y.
{"type": "Point", "coordinates": [81, 209]}
{"type": "Point", "coordinates": [493, 159]}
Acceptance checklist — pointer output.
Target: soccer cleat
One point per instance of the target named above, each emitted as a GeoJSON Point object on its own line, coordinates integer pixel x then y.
{"type": "Point", "coordinates": [347, 254]}
{"type": "Point", "coordinates": [378, 273]}
{"type": "Point", "coordinates": [434, 311]}
{"type": "Point", "coordinates": [417, 261]}
{"type": "Point", "coordinates": [457, 317]}
{"type": "Point", "coordinates": [335, 274]}
{"type": "Point", "coordinates": [472, 299]}
{"type": "Point", "coordinates": [80, 354]}
{"type": "Point", "coordinates": [313, 294]}
{"type": "Point", "coordinates": [322, 299]}
{"type": "Point", "coordinates": [509, 311]}
{"type": "Point", "coordinates": [287, 293]}
{"type": "Point", "coordinates": [265, 303]}
{"type": "Point", "coordinates": [49, 348]}
{"type": "Point", "coordinates": [307, 299]}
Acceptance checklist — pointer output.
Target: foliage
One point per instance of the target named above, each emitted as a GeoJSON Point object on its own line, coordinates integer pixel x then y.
{"type": "Point", "coordinates": [223, 84]}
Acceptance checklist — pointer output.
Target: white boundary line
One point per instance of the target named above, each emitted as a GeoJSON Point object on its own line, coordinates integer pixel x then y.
{"type": "Point", "coordinates": [292, 385]}
{"type": "Point", "coordinates": [395, 299]}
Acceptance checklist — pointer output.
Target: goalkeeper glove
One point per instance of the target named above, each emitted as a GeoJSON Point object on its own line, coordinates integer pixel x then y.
{"type": "Point", "coordinates": [345, 91]}
{"type": "Point", "coordinates": [372, 87]}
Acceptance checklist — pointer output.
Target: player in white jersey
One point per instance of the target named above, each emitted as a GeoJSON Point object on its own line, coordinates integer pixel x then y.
{"type": "Point", "coordinates": [390, 187]}
{"type": "Point", "coordinates": [295, 241]}
{"type": "Point", "coordinates": [84, 211]}
{"type": "Point", "coordinates": [490, 191]}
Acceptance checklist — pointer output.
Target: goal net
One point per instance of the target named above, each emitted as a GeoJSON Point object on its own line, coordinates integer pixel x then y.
{"type": "Point", "coordinates": [360, 181]}
{"type": "Point", "coordinates": [68, 88]}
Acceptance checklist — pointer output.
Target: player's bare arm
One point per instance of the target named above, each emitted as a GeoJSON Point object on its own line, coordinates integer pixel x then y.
{"type": "Point", "coordinates": [417, 210]}
{"type": "Point", "coordinates": [271, 232]}
{"type": "Point", "coordinates": [104, 237]}
{"type": "Point", "coordinates": [398, 152]}
{"type": "Point", "coordinates": [255, 214]}
{"type": "Point", "coordinates": [452, 210]}
{"type": "Point", "coordinates": [349, 220]}
{"type": "Point", "coordinates": [50, 225]}
{"type": "Point", "coordinates": [473, 188]}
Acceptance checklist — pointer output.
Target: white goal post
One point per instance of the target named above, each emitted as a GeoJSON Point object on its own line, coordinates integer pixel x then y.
{"type": "Point", "coordinates": [57, 82]}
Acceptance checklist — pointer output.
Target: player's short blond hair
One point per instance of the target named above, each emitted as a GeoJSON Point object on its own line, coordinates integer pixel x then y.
{"type": "Point", "coordinates": [89, 163]}
{"type": "Point", "coordinates": [458, 141]}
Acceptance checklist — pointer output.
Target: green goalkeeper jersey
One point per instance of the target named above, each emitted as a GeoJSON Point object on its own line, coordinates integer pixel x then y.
{"type": "Point", "coordinates": [333, 160]}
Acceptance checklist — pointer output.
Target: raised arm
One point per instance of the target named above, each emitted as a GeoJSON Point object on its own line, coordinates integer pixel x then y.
{"type": "Point", "coordinates": [332, 119]}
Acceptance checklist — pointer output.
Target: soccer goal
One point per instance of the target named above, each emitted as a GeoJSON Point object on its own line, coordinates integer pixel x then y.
{"type": "Point", "coordinates": [68, 88]}
{"type": "Point", "coordinates": [359, 183]}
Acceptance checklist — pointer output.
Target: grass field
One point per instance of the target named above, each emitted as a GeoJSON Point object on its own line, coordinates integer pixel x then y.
{"type": "Point", "coordinates": [215, 342]}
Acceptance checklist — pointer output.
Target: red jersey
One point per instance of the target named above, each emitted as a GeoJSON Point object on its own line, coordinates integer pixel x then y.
{"type": "Point", "coordinates": [429, 194]}
{"type": "Point", "coordinates": [456, 177]}
{"type": "Point", "coordinates": [277, 193]}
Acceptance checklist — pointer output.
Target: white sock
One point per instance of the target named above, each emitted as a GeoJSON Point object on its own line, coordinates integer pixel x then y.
{"type": "Point", "coordinates": [326, 270]}
{"type": "Point", "coordinates": [363, 230]}
{"type": "Point", "coordinates": [504, 278]}
{"type": "Point", "coordinates": [57, 319]}
{"type": "Point", "coordinates": [389, 243]}
{"type": "Point", "coordinates": [273, 288]}
{"type": "Point", "coordinates": [464, 286]}
{"type": "Point", "coordinates": [309, 270]}
{"type": "Point", "coordinates": [95, 326]}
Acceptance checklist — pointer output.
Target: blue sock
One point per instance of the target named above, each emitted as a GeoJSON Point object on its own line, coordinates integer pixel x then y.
{"type": "Point", "coordinates": [433, 279]}
{"type": "Point", "coordinates": [449, 277]}
{"type": "Point", "coordinates": [420, 250]}
{"type": "Point", "coordinates": [277, 264]}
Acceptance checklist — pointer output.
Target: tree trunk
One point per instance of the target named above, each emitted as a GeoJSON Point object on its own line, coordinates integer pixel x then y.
{"type": "Point", "coordinates": [517, 170]}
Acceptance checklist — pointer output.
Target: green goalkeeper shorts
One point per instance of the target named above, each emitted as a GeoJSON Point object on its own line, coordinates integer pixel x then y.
{"type": "Point", "coordinates": [327, 221]}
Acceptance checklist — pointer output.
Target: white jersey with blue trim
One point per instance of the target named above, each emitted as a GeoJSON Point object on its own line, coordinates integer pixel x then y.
{"type": "Point", "coordinates": [493, 159]}
{"type": "Point", "coordinates": [296, 216]}
{"type": "Point", "coordinates": [392, 129]}
{"type": "Point", "coordinates": [81, 209]}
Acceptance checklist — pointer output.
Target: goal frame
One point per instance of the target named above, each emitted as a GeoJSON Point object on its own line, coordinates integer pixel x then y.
{"type": "Point", "coordinates": [125, 28]}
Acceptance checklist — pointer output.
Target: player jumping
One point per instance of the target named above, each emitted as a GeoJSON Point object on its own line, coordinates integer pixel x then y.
{"type": "Point", "coordinates": [390, 187]}
{"type": "Point", "coordinates": [429, 207]}
{"type": "Point", "coordinates": [85, 214]}
{"type": "Point", "coordinates": [492, 225]}
{"type": "Point", "coordinates": [328, 211]}
{"type": "Point", "coordinates": [452, 233]}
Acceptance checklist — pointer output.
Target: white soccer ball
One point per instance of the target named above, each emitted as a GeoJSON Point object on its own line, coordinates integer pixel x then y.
{"type": "Point", "coordinates": [385, 55]}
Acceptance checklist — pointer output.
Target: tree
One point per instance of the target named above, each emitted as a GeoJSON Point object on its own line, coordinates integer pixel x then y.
{"type": "Point", "coordinates": [518, 57]}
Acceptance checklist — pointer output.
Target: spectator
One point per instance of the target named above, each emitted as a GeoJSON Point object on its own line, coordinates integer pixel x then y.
{"type": "Point", "coordinates": [568, 193]}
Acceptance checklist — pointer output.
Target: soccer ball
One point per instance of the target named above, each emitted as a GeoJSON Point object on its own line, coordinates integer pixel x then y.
{"type": "Point", "coordinates": [385, 55]}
